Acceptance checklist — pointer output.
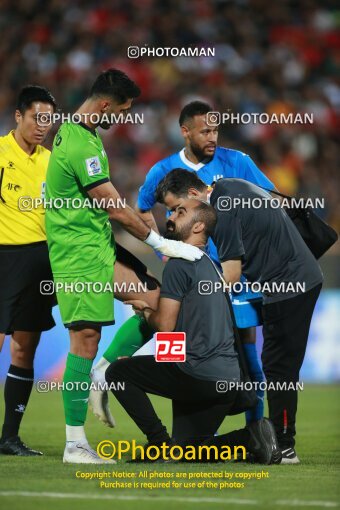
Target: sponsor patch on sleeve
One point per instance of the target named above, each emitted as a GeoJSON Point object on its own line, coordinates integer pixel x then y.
{"type": "Point", "coordinates": [93, 166]}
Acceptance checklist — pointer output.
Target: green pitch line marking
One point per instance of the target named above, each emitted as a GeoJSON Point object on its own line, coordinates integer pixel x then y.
{"type": "Point", "coordinates": [65, 495]}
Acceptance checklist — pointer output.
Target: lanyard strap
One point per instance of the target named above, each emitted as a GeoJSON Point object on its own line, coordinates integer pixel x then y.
{"type": "Point", "coordinates": [275, 192]}
{"type": "Point", "coordinates": [238, 341]}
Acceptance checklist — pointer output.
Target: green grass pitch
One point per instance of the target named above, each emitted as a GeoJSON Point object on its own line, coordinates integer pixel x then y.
{"type": "Point", "coordinates": [45, 483]}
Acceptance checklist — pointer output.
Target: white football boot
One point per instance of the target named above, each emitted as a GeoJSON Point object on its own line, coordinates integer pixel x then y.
{"type": "Point", "coordinates": [81, 453]}
{"type": "Point", "coordinates": [99, 398]}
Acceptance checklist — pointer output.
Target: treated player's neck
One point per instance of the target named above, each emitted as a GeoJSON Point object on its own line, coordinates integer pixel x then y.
{"type": "Point", "coordinates": [195, 240]}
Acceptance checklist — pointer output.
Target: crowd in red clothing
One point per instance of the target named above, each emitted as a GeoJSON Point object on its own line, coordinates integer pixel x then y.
{"type": "Point", "coordinates": [269, 57]}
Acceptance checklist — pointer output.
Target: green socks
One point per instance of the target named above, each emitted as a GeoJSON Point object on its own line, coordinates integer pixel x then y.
{"type": "Point", "coordinates": [132, 335]}
{"type": "Point", "coordinates": [75, 394]}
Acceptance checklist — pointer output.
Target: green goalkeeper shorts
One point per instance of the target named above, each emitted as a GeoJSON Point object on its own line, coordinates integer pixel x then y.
{"type": "Point", "coordinates": [86, 301]}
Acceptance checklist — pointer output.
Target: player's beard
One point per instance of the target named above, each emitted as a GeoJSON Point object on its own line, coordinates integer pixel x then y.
{"type": "Point", "coordinates": [199, 152]}
{"type": "Point", "coordinates": [177, 234]}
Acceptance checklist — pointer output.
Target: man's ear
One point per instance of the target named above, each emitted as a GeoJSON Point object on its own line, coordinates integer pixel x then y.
{"type": "Point", "coordinates": [184, 131]}
{"type": "Point", "coordinates": [17, 116]}
{"type": "Point", "coordinates": [104, 105]}
{"type": "Point", "coordinates": [198, 227]}
{"type": "Point", "coordinates": [193, 192]}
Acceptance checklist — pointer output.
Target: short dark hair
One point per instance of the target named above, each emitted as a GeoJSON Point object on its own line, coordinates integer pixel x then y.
{"type": "Point", "coordinates": [116, 84]}
{"type": "Point", "coordinates": [192, 109]}
{"type": "Point", "coordinates": [207, 215]}
{"type": "Point", "coordinates": [178, 182]}
{"type": "Point", "coordinates": [34, 93]}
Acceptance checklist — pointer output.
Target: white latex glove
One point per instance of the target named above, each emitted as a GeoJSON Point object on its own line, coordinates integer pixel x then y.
{"type": "Point", "coordinates": [170, 248]}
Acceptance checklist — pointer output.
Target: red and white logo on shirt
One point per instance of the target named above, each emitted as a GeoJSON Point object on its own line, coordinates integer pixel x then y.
{"type": "Point", "coordinates": [170, 346]}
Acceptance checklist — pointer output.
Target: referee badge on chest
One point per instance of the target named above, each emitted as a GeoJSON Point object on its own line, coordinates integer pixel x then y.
{"type": "Point", "coordinates": [93, 166]}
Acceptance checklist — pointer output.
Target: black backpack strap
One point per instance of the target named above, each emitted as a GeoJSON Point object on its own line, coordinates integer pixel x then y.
{"type": "Point", "coordinates": [275, 192]}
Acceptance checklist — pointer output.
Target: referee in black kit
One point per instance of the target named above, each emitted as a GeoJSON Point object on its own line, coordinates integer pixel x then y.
{"type": "Point", "coordinates": [262, 243]}
{"type": "Point", "coordinates": [24, 261]}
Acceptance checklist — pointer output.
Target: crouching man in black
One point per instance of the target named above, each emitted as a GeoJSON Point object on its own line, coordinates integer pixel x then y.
{"type": "Point", "coordinates": [190, 306]}
{"type": "Point", "coordinates": [257, 238]}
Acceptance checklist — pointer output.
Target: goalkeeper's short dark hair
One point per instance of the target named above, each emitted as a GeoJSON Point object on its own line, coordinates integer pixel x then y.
{"type": "Point", "coordinates": [178, 182]}
{"type": "Point", "coordinates": [192, 109]}
{"type": "Point", "coordinates": [115, 84]}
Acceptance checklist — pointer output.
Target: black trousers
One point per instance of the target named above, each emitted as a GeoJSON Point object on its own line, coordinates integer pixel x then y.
{"type": "Point", "coordinates": [285, 332]}
{"type": "Point", "coordinates": [198, 409]}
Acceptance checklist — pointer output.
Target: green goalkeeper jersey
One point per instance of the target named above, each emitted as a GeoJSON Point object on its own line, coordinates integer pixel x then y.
{"type": "Point", "coordinates": [79, 235]}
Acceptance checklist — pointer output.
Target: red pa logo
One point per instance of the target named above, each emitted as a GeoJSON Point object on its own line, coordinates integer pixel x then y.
{"type": "Point", "coordinates": [170, 346]}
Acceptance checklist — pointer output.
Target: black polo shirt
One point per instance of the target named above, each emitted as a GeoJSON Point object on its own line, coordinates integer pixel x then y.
{"type": "Point", "coordinates": [205, 317]}
{"type": "Point", "coordinates": [266, 239]}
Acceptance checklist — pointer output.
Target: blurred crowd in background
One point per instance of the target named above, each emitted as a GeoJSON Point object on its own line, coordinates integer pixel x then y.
{"type": "Point", "coordinates": [270, 56]}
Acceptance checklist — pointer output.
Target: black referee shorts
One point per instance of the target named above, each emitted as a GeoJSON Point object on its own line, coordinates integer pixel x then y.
{"type": "Point", "coordinates": [22, 306]}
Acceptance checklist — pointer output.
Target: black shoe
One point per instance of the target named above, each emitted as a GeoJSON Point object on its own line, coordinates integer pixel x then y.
{"type": "Point", "coordinates": [289, 456]}
{"type": "Point", "coordinates": [263, 442]}
{"type": "Point", "coordinates": [14, 446]}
